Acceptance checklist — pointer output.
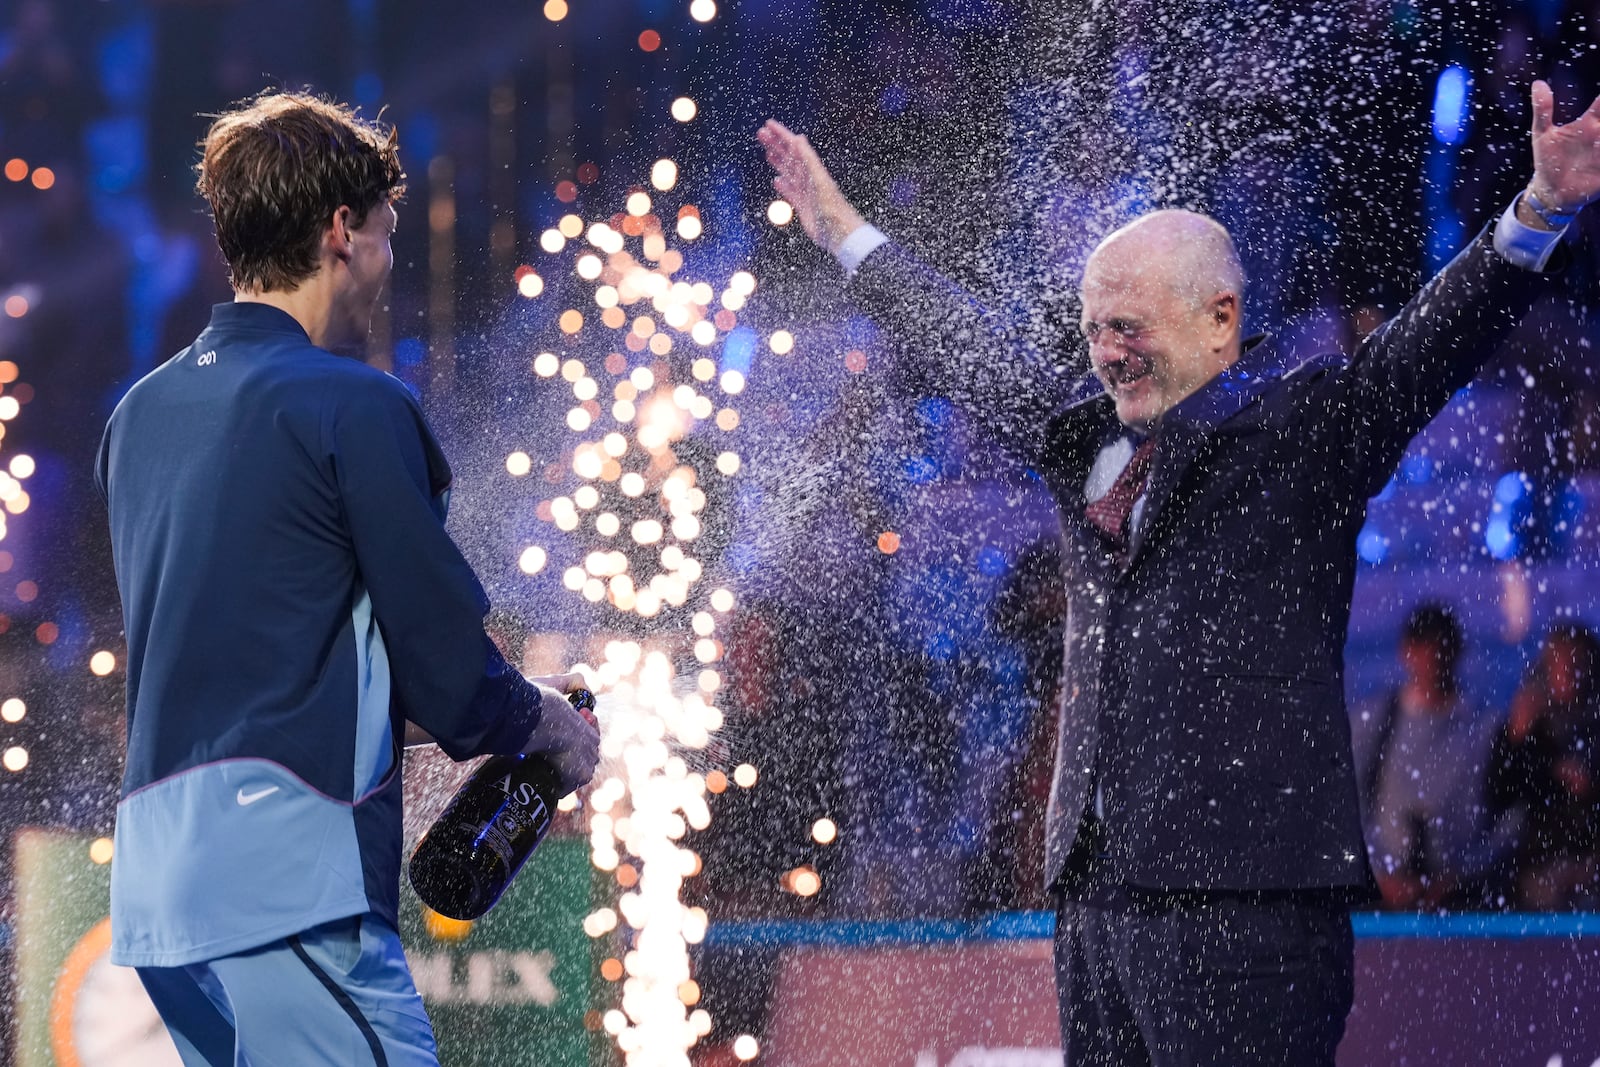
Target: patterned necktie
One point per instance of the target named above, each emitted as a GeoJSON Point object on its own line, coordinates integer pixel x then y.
{"type": "Point", "coordinates": [1111, 513]}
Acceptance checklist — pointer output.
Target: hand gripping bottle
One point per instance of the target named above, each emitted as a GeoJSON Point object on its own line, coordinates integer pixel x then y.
{"type": "Point", "coordinates": [488, 830]}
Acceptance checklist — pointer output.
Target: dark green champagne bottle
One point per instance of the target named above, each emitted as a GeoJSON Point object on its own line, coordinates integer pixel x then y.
{"type": "Point", "coordinates": [487, 832]}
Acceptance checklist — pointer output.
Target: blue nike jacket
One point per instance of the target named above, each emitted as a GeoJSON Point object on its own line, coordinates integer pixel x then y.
{"type": "Point", "coordinates": [290, 598]}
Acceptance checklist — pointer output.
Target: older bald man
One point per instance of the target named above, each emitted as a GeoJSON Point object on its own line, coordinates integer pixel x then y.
{"type": "Point", "coordinates": [1203, 837]}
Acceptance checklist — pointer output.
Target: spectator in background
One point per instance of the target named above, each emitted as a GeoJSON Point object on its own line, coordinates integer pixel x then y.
{"type": "Point", "coordinates": [1421, 752]}
{"type": "Point", "coordinates": [1545, 769]}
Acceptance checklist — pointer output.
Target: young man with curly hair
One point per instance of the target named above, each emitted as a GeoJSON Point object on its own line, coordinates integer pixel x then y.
{"type": "Point", "coordinates": [295, 613]}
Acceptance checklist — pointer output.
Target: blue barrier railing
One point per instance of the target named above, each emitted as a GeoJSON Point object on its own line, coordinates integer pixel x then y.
{"type": "Point", "coordinates": [1028, 925]}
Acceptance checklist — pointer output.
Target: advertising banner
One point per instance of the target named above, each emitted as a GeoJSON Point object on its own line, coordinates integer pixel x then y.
{"type": "Point", "coordinates": [510, 989]}
{"type": "Point", "coordinates": [1511, 1001]}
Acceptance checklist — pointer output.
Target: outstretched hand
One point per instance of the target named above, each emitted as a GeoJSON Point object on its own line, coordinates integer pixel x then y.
{"type": "Point", "coordinates": [805, 183]}
{"type": "Point", "coordinates": [1566, 159]}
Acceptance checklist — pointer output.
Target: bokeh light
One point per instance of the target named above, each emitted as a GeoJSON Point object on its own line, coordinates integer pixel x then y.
{"type": "Point", "coordinates": [805, 882]}
{"type": "Point", "coordinates": [633, 508]}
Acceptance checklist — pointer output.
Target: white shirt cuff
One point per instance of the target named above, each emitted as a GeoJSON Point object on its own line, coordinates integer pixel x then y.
{"type": "Point", "coordinates": [858, 245]}
{"type": "Point", "coordinates": [1522, 245]}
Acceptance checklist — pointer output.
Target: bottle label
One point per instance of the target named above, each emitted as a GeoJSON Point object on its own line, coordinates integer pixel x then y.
{"type": "Point", "coordinates": [475, 847]}
{"type": "Point", "coordinates": [523, 819]}
{"type": "Point", "coordinates": [525, 795]}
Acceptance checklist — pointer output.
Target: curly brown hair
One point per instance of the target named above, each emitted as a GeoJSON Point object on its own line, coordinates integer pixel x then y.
{"type": "Point", "coordinates": [275, 168]}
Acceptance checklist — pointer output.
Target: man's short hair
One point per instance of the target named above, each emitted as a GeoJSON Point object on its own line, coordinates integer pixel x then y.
{"type": "Point", "coordinates": [1436, 625]}
{"type": "Point", "coordinates": [1198, 256]}
{"type": "Point", "coordinates": [275, 168]}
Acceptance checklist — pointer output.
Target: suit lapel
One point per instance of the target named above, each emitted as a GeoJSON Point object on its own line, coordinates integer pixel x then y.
{"type": "Point", "coordinates": [1187, 429]}
{"type": "Point", "coordinates": [1076, 433]}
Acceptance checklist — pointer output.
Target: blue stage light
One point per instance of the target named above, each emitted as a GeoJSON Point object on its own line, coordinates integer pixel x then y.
{"type": "Point", "coordinates": [935, 411]}
{"type": "Point", "coordinates": [919, 469]}
{"type": "Point", "coordinates": [1371, 545]}
{"type": "Point", "coordinates": [1451, 99]}
{"type": "Point", "coordinates": [1499, 537]}
{"type": "Point", "coordinates": [1511, 487]}
{"type": "Point", "coordinates": [992, 562]}
{"type": "Point", "coordinates": [738, 350]}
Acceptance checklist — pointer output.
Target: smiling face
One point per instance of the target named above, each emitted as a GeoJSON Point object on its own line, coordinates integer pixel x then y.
{"type": "Point", "coordinates": [1161, 312]}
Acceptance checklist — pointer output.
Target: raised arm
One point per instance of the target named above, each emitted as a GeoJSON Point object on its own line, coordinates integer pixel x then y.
{"type": "Point", "coordinates": [949, 342]}
{"type": "Point", "coordinates": [1566, 164]}
{"type": "Point", "coordinates": [1407, 370]}
{"type": "Point", "coordinates": [826, 216]}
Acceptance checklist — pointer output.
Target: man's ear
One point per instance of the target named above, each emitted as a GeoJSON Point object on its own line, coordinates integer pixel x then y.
{"type": "Point", "coordinates": [341, 233]}
{"type": "Point", "coordinates": [1224, 312]}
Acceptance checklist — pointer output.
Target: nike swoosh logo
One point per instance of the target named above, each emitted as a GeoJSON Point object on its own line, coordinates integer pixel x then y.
{"type": "Point", "coordinates": [246, 799]}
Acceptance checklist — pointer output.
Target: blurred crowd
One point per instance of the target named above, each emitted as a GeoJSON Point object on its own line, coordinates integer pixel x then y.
{"type": "Point", "coordinates": [1470, 805]}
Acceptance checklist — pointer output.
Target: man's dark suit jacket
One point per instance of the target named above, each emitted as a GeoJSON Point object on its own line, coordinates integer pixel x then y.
{"type": "Point", "coordinates": [1203, 682]}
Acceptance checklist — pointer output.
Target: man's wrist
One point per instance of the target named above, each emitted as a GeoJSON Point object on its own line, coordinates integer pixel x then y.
{"type": "Point", "coordinates": [1540, 209]}
{"type": "Point", "coordinates": [1524, 239]}
{"type": "Point", "coordinates": [857, 245]}
{"type": "Point", "coordinates": [839, 226]}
